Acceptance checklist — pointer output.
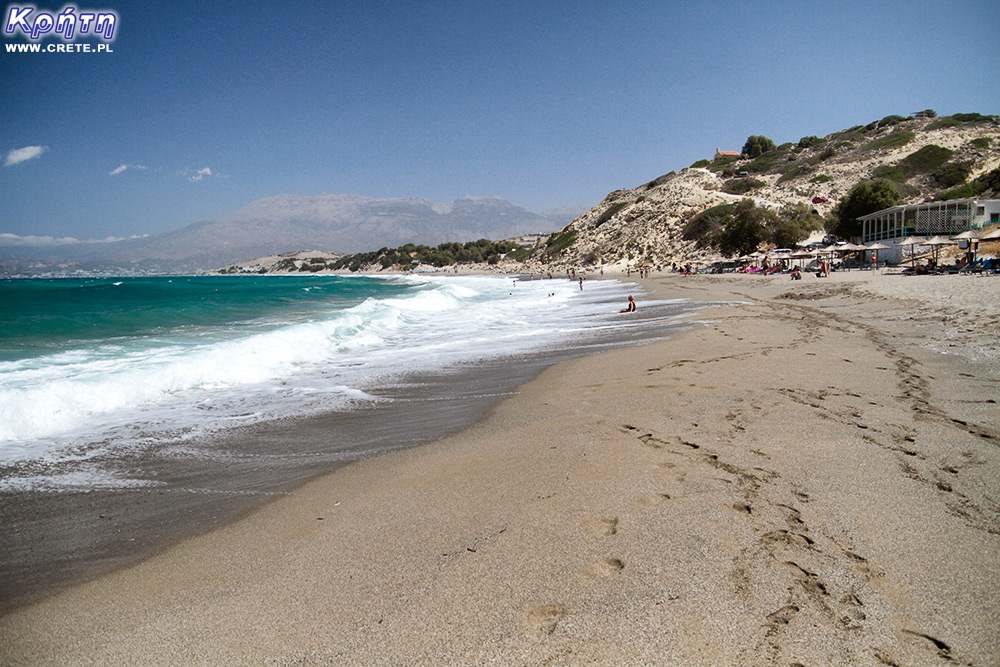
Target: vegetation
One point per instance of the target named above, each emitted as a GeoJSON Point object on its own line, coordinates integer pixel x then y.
{"type": "Point", "coordinates": [951, 174]}
{"type": "Point", "coordinates": [981, 142]}
{"type": "Point", "coordinates": [746, 229]}
{"type": "Point", "coordinates": [741, 186]}
{"type": "Point", "coordinates": [559, 241]}
{"type": "Point", "coordinates": [610, 213]}
{"type": "Point", "coordinates": [865, 197]}
{"type": "Point", "coordinates": [704, 227]}
{"type": "Point", "coordinates": [988, 182]}
{"type": "Point", "coordinates": [793, 224]}
{"type": "Point", "coordinates": [895, 138]}
{"type": "Point", "coordinates": [927, 159]}
{"type": "Point", "coordinates": [740, 229]}
{"type": "Point", "coordinates": [656, 182]}
{"type": "Point", "coordinates": [444, 254]}
{"type": "Point", "coordinates": [757, 145]}
{"type": "Point", "coordinates": [701, 163]}
{"type": "Point", "coordinates": [810, 141]}
{"type": "Point", "coordinates": [822, 178]}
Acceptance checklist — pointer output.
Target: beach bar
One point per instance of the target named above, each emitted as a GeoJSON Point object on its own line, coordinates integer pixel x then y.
{"type": "Point", "coordinates": [948, 218]}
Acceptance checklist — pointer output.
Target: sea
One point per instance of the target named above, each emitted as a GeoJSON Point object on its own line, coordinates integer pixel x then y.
{"type": "Point", "coordinates": [138, 411]}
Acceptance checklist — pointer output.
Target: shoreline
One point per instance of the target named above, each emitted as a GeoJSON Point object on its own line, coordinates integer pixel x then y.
{"type": "Point", "coordinates": [57, 538]}
{"type": "Point", "coordinates": [805, 478]}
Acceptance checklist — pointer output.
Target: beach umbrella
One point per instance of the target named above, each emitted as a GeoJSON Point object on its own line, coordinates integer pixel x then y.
{"type": "Point", "coordinates": [912, 241]}
{"type": "Point", "coordinates": [937, 242]}
{"type": "Point", "coordinates": [973, 236]}
{"type": "Point", "coordinates": [876, 247]}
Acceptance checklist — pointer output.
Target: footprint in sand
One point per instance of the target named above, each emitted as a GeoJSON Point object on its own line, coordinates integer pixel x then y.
{"type": "Point", "coordinates": [602, 526]}
{"type": "Point", "coordinates": [652, 499]}
{"type": "Point", "coordinates": [542, 621]}
{"type": "Point", "coordinates": [604, 568]}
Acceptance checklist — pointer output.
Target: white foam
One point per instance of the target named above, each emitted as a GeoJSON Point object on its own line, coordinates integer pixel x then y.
{"type": "Point", "coordinates": [203, 378]}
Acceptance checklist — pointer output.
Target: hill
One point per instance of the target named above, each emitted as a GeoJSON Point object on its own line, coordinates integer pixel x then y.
{"type": "Point", "coordinates": [925, 158]}
{"type": "Point", "coordinates": [275, 225]}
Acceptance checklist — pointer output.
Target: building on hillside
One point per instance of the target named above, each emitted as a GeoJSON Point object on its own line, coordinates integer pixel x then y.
{"type": "Point", "coordinates": [947, 218]}
{"type": "Point", "coordinates": [721, 153]}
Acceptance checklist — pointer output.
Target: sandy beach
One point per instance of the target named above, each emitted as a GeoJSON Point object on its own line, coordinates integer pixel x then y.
{"type": "Point", "coordinates": [806, 476]}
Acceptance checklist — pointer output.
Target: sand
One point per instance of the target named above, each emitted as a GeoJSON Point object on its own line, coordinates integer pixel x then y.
{"type": "Point", "coordinates": [808, 477]}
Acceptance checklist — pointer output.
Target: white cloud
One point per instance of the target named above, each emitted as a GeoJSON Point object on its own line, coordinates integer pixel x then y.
{"type": "Point", "coordinates": [19, 155]}
{"type": "Point", "coordinates": [201, 173]}
{"type": "Point", "coordinates": [122, 167]}
{"type": "Point", "coordinates": [7, 240]}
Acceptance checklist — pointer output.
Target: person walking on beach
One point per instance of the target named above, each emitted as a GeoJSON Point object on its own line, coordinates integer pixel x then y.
{"type": "Point", "coordinates": [630, 308]}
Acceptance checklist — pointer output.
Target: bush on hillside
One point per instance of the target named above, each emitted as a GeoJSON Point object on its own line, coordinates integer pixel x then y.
{"type": "Point", "coordinates": [747, 229]}
{"type": "Point", "coordinates": [809, 142]}
{"type": "Point", "coordinates": [865, 197]}
{"type": "Point", "coordinates": [950, 175]}
{"type": "Point", "coordinates": [895, 138]}
{"type": "Point", "coordinates": [741, 186]}
{"type": "Point", "coordinates": [757, 145]}
{"type": "Point", "coordinates": [704, 227]}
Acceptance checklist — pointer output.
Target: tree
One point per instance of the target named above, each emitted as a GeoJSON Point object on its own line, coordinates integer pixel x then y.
{"type": "Point", "coordinates": [865, 197]}
{"type": "Point", "coordinates": [747, 229]}
{"type": "Point", "coordinates": [793, 224]}
{"type": "Point", "coordinates": [757, 145]}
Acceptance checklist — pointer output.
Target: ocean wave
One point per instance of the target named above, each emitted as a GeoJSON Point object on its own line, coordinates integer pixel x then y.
{"type": "Point", "coordinates": [327, 355]}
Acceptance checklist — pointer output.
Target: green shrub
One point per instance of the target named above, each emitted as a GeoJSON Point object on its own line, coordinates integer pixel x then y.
{"type": "Point", "coordinates": [703, 228]}
{"type": "Point", "coordinates": [722, 162]}
{"type": "Point", "coordinates": [610, 213]}
{"type": "Point", "coordinates": [656, 182]}
{"type": "Point", "coordinates": [560, 241]}
{"type": "Point", "coordinates": [943, 122]}
{"type": "Point", "coordinates": [762, 163]}
{"type": "Point", "coordinates": [950, 175]}
{"type": "Point", "coordinates": [926, 159]}
{"type": "Point", "coordinates": [981, 142]}
{"type": "Point", "coordinates": [757, 145]}
{"type": "Point", "coordinates": [893, 172]}
{"type": "Point", "coordinates": [739, 186]}
{"type": "Point", "coordinates": [822, 178]}
{"type": "Point", "coordinates": [701, 163]}
{"type": "Point", "coordinates": [895, 138]}
{"type": "Point", "coordinates": [970, 117]}
{"type": "Point", "coordinates": [794, 171]}
{"type": "Point", "coordinates": [810, 141]}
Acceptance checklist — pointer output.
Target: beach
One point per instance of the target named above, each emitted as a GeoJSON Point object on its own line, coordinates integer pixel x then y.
{"type": "Point", "coordinates": [807, 475]}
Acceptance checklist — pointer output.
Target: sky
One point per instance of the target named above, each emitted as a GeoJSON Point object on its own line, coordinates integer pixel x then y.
{"type": "Point", "coordinates": [203, 107]}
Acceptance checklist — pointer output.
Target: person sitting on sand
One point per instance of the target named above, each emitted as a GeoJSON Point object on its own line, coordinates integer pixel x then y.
{"type": "Point", "coordinates": [630, 308]}
{"type": "Point", "coordinates": [796, 274]}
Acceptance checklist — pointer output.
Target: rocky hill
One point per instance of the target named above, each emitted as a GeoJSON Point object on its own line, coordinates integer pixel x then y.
{"type": "Point", "coordinates": [926, 158]}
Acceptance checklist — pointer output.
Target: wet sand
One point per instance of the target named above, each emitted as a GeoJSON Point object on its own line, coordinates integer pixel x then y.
{"type": "Point", "coordinates": [810, 477]}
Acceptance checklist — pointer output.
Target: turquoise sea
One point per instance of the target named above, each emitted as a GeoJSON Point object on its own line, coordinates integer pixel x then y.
{"type": "Point", "coordinates": [171, 404]}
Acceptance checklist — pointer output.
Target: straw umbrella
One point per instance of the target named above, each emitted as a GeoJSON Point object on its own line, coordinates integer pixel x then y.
{"type": "Point", "coordinates": [973, 236]}
{"type": "Point", "coordinates": [912, 241]}
{"type": "Point", "coordinates": [876, 247]}
{"type": "Point", "coordinates": [937, 242]}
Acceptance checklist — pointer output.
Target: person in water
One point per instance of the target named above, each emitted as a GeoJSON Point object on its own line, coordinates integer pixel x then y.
{"type": "Point", "coordinates": [630, 308]}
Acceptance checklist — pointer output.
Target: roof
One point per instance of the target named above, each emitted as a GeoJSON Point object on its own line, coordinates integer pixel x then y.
{"type": "Point", "coordinates": [727, 153]}
{"type": "Point", "coordinates": [968, 201]}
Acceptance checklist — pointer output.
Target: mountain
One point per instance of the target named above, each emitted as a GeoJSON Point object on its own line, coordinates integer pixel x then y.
{"type": "Point", "coordinates": [925, 158]}
{"type": "Point", "coordinates": [274, 225]}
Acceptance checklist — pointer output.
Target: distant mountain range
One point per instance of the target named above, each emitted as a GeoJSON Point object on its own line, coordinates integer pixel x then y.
{"type": "Point", "coordinates": [341, 223]}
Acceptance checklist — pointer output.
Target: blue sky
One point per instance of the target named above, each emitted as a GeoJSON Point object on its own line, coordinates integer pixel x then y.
{"type": "Point", "coordinates": [212, 105]}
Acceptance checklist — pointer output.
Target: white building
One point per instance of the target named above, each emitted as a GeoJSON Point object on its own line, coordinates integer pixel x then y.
{"type": "Point", "coordinates": [947, 218]}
